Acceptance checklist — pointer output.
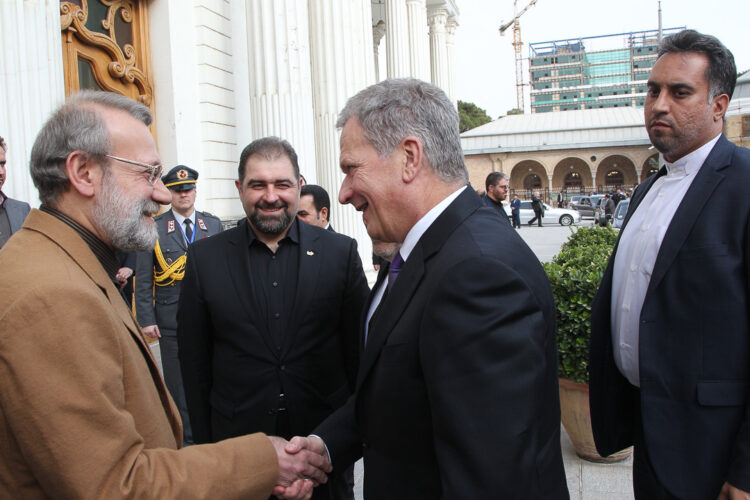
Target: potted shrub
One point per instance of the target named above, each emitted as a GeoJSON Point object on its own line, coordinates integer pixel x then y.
{"type": "Point", "coordinates": [575, 274]}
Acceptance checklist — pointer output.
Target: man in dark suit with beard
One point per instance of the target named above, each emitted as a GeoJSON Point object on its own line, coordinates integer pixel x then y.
{"type": "Point", "coordinates": [269, 314]}
{"type": "Point", "coordinates": [457, 393]}
{"type": "Point", "coordinates": [670, 331]}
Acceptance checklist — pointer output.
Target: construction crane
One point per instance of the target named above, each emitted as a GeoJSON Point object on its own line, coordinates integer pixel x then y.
{"type": "Point", "coordinates": [517, 44]}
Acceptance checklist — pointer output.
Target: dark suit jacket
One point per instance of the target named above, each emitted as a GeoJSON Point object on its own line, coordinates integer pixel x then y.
{"type": "Point", "coordinates": [496, 206]}
{"type": "Point", "coordinates": [457, 393]}
{"type": "Point", "coordinates": [158, 305]}
{"type": "Point", "coordinates": [232, 373]}
{"type": "Point", "coordinates": [17, 212]}
{"type": "Point", "coordinates": [694, 340]}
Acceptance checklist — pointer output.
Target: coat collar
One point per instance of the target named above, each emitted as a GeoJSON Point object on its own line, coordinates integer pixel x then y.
{"type": "Point", "coordinates": [692, 205]}
{"type": "Point", "coordinates": [77, 249]}
{"type": "Point", "coordinates": [412, 273]}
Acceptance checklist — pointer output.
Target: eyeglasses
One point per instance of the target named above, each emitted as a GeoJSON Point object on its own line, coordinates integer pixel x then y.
{"type": "Point", "coordinates": [153, 170]}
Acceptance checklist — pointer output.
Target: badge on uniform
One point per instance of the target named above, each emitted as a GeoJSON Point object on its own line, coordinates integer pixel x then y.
{"type": "Point", "coordinates": [170, 226]}
{"type": "Point", "coordinates": [201, 224]}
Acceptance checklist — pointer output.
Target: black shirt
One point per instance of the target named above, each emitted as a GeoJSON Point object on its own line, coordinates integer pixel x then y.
{"type": "Point", "coordinates": [273, 277]}
{"type": "Point", "coordinates": [497, 206]}
{"type": "Point", "coordinates": [103, 252]}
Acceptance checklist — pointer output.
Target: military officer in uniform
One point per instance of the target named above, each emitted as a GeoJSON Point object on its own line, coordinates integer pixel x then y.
{"type": "Point", "coordinates": [159, 274]}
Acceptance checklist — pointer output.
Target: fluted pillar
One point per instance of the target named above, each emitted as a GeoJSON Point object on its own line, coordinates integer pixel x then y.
{"type": "Point", "coordinates": [342, 64]}
{"type": "Point", "coordinates": [397, 39]}
{"type": "Point", "coordinates": [450, 29]}
{"type": "Point", "coordinates": [279, 71]}
{"type": "Point", "coordinates": [378, 31]}
{"type": "Point", "coordinates": [437, 19]}
{"type": "Point", "coordinates": [419, 46]}
{"type": "Point", "coordinates": [31, 83]}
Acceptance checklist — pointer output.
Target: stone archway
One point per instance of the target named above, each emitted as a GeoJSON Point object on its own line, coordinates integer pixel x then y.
{"type": "Point", "coordinates": [572, 174]}
{"type": "Point", "coordinates": [616, 171]}
{"type": "Point", "coordinates": [523, 174]}
{"type": "Point", "coordinates": [650, 166]}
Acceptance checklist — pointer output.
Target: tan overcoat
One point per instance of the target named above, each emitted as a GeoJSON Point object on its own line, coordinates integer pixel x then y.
{"type": "Point", "coordinates": [84, 412]}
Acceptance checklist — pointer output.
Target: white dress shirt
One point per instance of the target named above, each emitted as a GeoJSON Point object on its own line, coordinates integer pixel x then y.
{"type": "Point", "coordinates": [636, 255]}
{"type": "Point", "coordinates": [181, 221]}
{"type": "Point", "coordinates": [411, 240]}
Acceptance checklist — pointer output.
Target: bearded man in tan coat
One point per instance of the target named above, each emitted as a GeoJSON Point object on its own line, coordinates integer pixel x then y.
{"type": "Point", "coordinates": [84, 412]}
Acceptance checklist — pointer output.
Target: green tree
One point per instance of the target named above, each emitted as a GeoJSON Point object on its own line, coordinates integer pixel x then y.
{"type": "Point", "coordinates": [470, 116]}
{"type": "Point", "coordinates": [514, 111]}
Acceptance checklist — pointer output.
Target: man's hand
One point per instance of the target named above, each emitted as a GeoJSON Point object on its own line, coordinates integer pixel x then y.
{"type": "Point", "coordinates": [299, 459]}
{"type": "Point", "coordinates": [122, 275]}
{"type": "Point", "coordinates": [729, 492]}
{"type": "Point", "coordinates": [152, 331]}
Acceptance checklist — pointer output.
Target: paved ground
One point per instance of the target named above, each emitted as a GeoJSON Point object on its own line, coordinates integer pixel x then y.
{"type": "Point", "coordinates": [586, 480]}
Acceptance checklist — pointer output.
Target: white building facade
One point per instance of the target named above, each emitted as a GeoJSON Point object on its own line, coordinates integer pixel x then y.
{"type": "Point", "coordinates": [218, 74]}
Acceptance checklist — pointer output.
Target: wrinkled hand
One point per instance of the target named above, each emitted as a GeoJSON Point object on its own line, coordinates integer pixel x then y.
{"type": "Point", "coordinates": [152, 331]}
{"type": "Point", "coordinates": [299, 459]}
{"type": "Point", "coordinates": [122, 275]}
{"type": "Point", "coordinates": [729, 492]}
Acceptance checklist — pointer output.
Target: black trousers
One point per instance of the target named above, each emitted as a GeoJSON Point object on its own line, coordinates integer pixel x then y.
{"type": "Point", "coordinates": [170, 362]}
{"type": "Point", "coordinates": [537, 217]}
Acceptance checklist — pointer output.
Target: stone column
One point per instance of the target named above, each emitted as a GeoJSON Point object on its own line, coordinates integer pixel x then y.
{"type": "Point", "coordinates": [438, 18]}
{"type": "Point", "coordinates": [397, 39]}
{"type": "Point", "coordinates": [497, 164]}
{"type": "Point", "coordinates": [31, 84]}
{"type": "Point", "coordinates": [450, 28]}
{"type": "Point", "coordinates": [378, 31]}
{"type": "Point", "coordinates": [279, 70]}
{"type": "Point", "coordinates": [419, 51]}
{"type": "Point", "coordinates": [342, 64]}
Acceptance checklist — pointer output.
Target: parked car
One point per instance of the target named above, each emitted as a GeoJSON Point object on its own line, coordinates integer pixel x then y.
{"type": "Point", "coordinates": [588, 206]}
{"type": "Point", "coordinates": [620, 211]}
{"type": "Point", "coordinates": [562, 216]}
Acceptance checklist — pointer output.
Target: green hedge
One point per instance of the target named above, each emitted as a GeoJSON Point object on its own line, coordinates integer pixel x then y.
{"type": "Point", "coordinates": [575, 274]}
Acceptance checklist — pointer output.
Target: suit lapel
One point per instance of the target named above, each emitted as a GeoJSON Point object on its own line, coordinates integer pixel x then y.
{"type": "Point", "coordinates": [412, 273]}
{"type": "Point", "coordinates": [310, 254]}
{"type": "Point", "coordinates": [79, 252]}
{"type": "Point", "coordinates": [394, 305]}
{"type": "Point", "coordinates": [382, 276]}
{"type": "Point", "coordinates": [683, 221]}
{"type": "Point", "coordinates": [175, 235]}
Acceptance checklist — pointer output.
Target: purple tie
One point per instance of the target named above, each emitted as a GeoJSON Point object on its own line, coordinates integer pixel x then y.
{"type": "Point", "coordinates": [393, 270]}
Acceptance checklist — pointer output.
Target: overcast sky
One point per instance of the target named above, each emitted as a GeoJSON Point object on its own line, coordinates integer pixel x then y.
{"type": "Point", "coordinates": [485, 61]}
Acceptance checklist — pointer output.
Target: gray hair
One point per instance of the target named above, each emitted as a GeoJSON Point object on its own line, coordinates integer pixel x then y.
{"type": "Point", "coordinates": [76, 126]}
{"type": "Point", "coordinates": [3, 144]}
{"type": "Point", "coordinates": [393, 109]}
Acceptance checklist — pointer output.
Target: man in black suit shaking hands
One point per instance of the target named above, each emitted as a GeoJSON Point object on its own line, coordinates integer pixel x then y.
{"type": "Point", "coordinates": [457, 392]}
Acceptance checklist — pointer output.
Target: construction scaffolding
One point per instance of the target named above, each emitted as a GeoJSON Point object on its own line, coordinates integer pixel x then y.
{"type": "Point", "coordinates": [592, 72]}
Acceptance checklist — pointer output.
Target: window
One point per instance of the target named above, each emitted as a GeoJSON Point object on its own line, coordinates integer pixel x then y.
{"type": "Point", "coordinates": [532, 181]}
{"type": "Point", "coordinates": [615, 178]}
{"type": "Point", "coordinates": [746, 126]}
{"type": "Point", "coordinates": [573, 180]}
{"type": "Point", "coordinates": [105, 47]}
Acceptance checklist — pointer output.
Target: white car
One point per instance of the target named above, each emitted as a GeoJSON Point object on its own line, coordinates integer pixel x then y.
{"type": "Point", "coordinates": [562, 216]}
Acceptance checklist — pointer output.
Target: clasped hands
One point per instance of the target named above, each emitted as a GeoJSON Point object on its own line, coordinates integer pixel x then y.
{"type": "Point", "coordinates": [303, 464]}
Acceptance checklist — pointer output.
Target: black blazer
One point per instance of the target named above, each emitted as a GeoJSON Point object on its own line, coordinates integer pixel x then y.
{"type": "Point", "coordinates": [457, 393]}
{"type": "Point", "coordinates": [232, 373]}
{"type": "Point", "coordinates": [694, 350]}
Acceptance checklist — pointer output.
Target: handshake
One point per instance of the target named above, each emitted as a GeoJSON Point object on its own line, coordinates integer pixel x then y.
{"type": "Point", "coordinates": [303, 464]}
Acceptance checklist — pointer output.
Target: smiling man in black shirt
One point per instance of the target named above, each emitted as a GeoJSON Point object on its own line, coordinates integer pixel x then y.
{"type": "Point", "coordinates": [269, 313]}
